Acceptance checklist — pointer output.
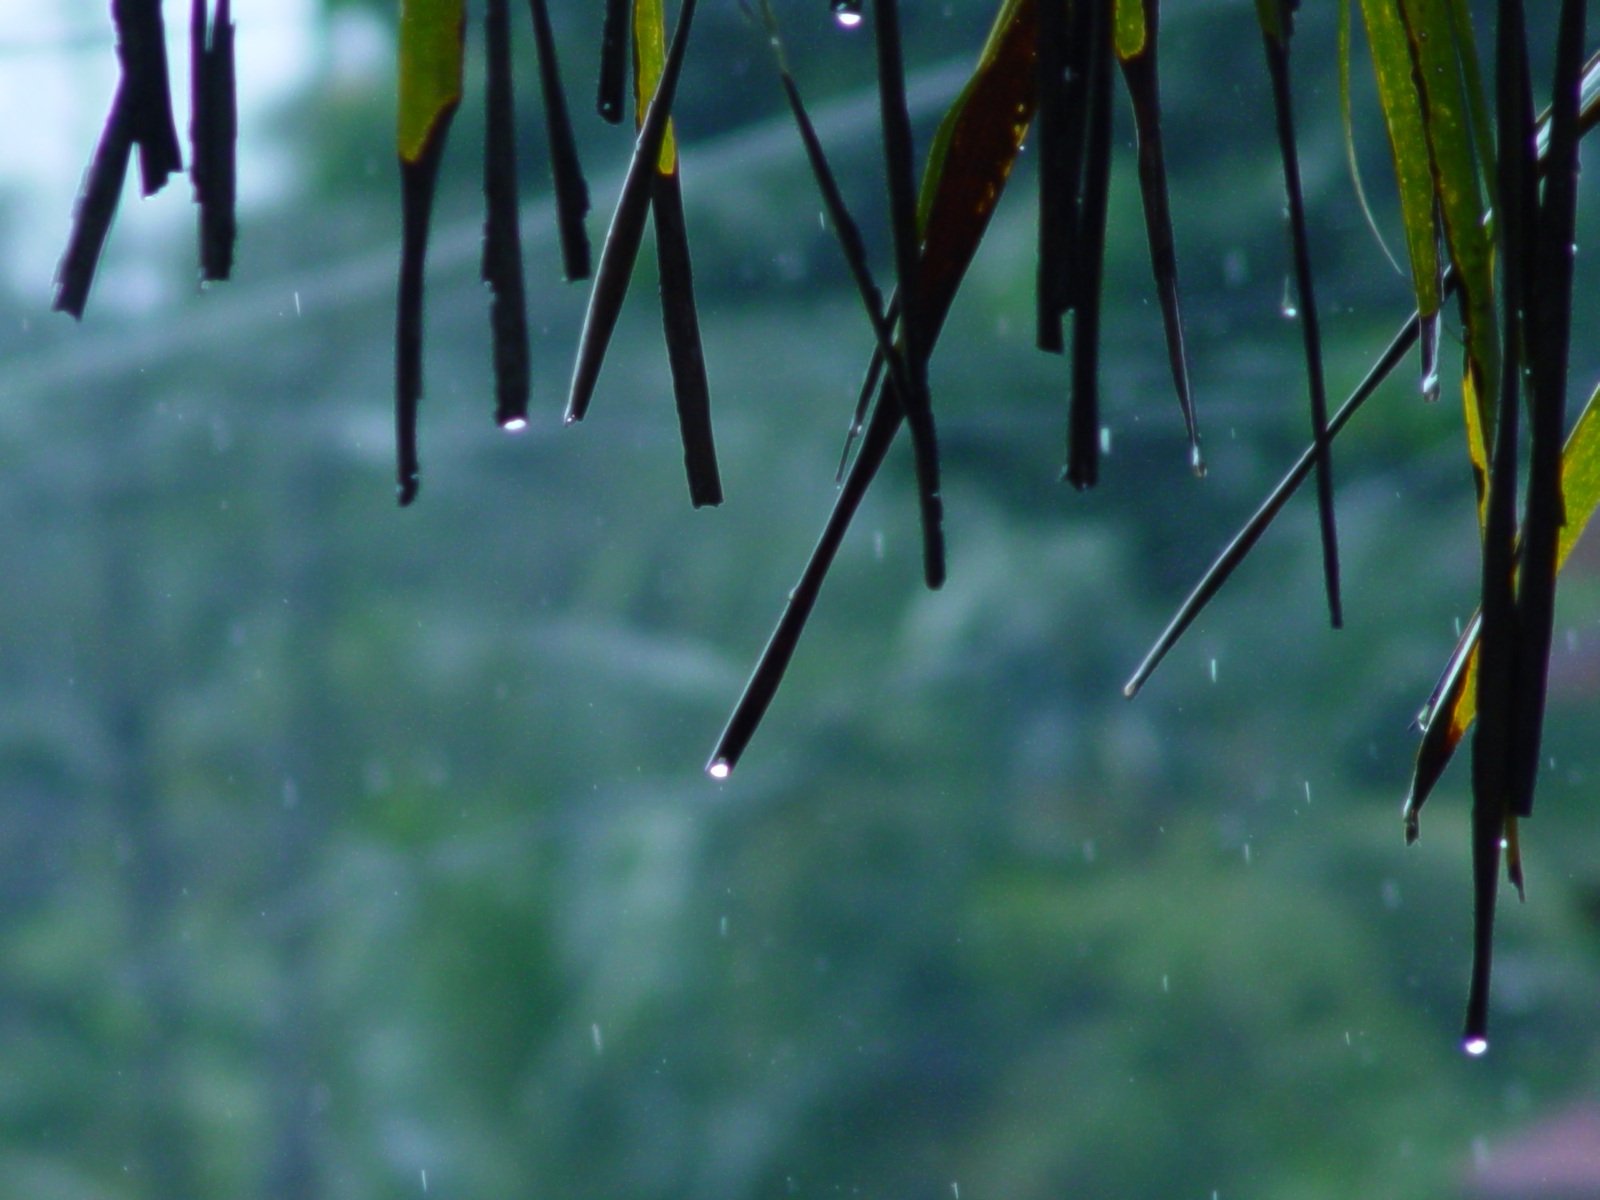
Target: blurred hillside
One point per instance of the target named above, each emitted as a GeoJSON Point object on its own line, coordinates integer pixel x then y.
{"type": "Point", "coordinates": [358, 852]}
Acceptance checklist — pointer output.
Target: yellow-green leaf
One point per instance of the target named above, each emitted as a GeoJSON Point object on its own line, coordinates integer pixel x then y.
{"type": "Point", "coordinates": [1457, 706]}
{"type": "Point", "coordinates": [1130, 28]}
{"type": "Point", "coordinates": [431, 47]}
{"type": "Point", "coordinates": [649, 55]}
{"type": "Point", "coordinates": [1274, 21]}
{"type": "Point", "coordinates": [1440, 60]}
{"type": "Point", "coordinates": [1408, 142]}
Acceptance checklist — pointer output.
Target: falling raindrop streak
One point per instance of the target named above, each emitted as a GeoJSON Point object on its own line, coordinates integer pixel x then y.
{"type": "Point", "coordinates": [1288, 306]}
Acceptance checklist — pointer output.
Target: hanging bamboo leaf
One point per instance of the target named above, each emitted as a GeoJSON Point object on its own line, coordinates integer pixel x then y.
{"type": "Point", "coordinates": [213, 132]}
{"type": "Point", "coordinates": [1244, 541]}
{"type": "Point", "coordinates": [566, 172]}
{"type": "Point", "coordinates": [1134, 27]}
{"type": "Point", "coordinates": [142, 49]}
{"type": "Point", "coordinates": [1455, 159]}
{"type": "Point", "coordinates": [1088, 256]}
{"type": "Point", "coordinates": [621, 246]}
{"type": "Point", "coordinates": [431, 47]}
{"type": "Point", "coordinates": [501, 268]}
{"type": "Point", "coordinates": [1499, 665]}
{"type": "Point", "coordinates": [614, 36]}
{"type": "Point", "coordinates": [915, 339]}
{"type": "Point", "coordinates": [1060, 86]}
{"type": "Point", "coordinates": [1276, 27]}
{"type": "Point", "coordinates": [1547, 338]}
{"type": "Point", "coordinates": [690, 389]}
{"type": "Point", "coordinates": [1452, 707]}
{"type": "Point", "coordinates": [1347, 120]}
{"type": "Point", "coordinates": [848, 233]}
{"type": "Point", "coordinates": [95, 208]}
{"type": "Point", "coordinates": [969, 162]}
{"type": "Point", "coordinates": [432, 36]}
{"type": "Point", "coordinates": [1136, 33]}
{"type": "Point", "coordinates": [1408, 146]}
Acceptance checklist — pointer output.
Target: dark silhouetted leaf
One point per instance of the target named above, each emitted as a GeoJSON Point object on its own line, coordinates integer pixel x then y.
{"type": "Point", "coordinates": [968, 164]}
{"type": "Point", "coordinates": [1138, 23]}
{"type": "Point", "coordinates": [502, 238]}
{"type": "Point", "coordinates": [97, 205]}
{"type": "Point", "coordinates": [431, 45]}
{"type": "Point", "coordinates": [213, 130]}
{"type": "Point", "coordinates": [621, 246]}
{"type": "Point", "coordinates": [1276, 27]}
{"type": "Point", "coordinates": [566, 172]}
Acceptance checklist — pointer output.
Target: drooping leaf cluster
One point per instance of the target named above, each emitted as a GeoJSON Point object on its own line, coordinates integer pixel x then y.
{"type": "Point", "coordinates": [1486, 194]}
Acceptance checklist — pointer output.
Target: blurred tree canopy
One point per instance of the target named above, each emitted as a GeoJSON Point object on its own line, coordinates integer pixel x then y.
{"type": "Point", "coordinates": [396, 886]}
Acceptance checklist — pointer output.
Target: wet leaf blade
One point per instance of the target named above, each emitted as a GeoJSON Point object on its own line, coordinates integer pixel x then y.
{"type": "Point", "coordinates": [915, 339]}
{"type": "Point", "coordinates": [1456, 166]}
{"type": "Point", "coordinates": [214, 124]}
{"type": "Point", "coordinates": [621, 247]}
{"type": "Point", "coordinates": [1221, 570]}
{"type": "Point", "coordinates": [691, 390]}
{"type": "Point", "coordinates": [1453, 706]}
{"type": "Point", "coordinates": [431, 50]}
{"type": "Point", "coordinates": [1276, 43]}
{"type": "Point", "coordinates": [502, 235]}
{"type": "Point", "coordinates": [566, 171]}
{"type": "Point", "coordinates": [1139, 73]}
{"type": "Point", "coordinates": [614, 36]}
{"type": "Point", "coordinates": [1408, 145]}
{"type": "Point", "coordinates": [95, 209]}
{"type": "Point", "coordinates": [969, 163]}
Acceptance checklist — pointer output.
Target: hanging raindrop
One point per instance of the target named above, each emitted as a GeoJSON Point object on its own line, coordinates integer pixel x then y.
{"type": "Point", "coordinates": [847, 13]}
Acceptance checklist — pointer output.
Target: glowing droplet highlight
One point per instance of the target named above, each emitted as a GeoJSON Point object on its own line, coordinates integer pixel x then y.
{"type": "Point", "coordinates": [847, 13]}
{"type": "Point", "coordinates": [514, 424]}
{"type": "Point", "coordinates": [720, 769]}
{"type": "Point", "coordinates": [1476, 1046]}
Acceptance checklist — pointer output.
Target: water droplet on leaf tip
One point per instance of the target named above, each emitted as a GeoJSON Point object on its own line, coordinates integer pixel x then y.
{"type": "Point", "coordinates": [514, 424]}
{"type": "Point", "coordinates": [1477, 1047]}
{"type": "Point", "coordinates": [847, 13]}
{"type": "Point", "coordinates": [720, 769]}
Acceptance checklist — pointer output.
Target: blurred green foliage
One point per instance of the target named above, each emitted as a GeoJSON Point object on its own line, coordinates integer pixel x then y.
{"type": "Point", "coordinates": [359, 853]}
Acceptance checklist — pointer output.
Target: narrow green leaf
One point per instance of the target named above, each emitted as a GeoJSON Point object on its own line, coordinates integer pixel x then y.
{"type": "Point", "coordinates": [1456, 165]}
{"type": "Point", "coordinates": [1408, 145]}
{"type": "Point", "coordinates": [1131, 28]}
{"type": "Point", "coordinates": [431, 49]}
{"type": "Point", "coordinates": [649, 55]}
{"type": "Point", "coordinates": [1275, 20]}
{"type": "Point", "coordinates": [1348, 121]}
